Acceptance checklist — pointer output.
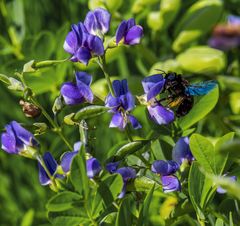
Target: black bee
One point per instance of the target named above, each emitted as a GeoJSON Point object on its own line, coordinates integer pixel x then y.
{"type": "Point", "coordinates": [181, 92]}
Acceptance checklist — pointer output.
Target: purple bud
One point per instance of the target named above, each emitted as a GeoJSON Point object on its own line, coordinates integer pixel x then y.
{"type": "Point", "coordinates": [93, 167]}
{"type": "Point", "coordinates": [127, 173]}
{"type": "Point", "coordinates": [164, 167]}
{"type": "Point", "coordinates": [129, 32]}
{"type": "Point", "coordinates": [170, 184]}
{"type": "Point", "coordinates": [181, 151]}
{"type": "Point", "coordinates": [79, 92]}
{"type": "Point", "coordinates": [16, 139]}
{"type": "Point", "coordinates": [112, 167]}
{"type": "Point", "coordinates": [51, 165]}
{"type": "Point", "coordinates": [67, 157]}
{"type": "Point", "coordinates": [97, 21]}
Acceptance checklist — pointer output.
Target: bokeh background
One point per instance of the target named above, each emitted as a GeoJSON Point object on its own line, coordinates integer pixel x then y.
{"type": "Point", "coordinates": [35, 30]}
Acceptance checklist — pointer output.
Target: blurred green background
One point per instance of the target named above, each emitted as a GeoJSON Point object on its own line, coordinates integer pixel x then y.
{"type": "Point", "coordinates": [175, 38]}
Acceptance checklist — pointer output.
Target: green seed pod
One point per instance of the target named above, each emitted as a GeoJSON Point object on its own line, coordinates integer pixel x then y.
{"type": "Point", "coordinates": [197, 21]}
{"type": "Point", "coordinates": [168, 12]}
{"type": "Point", "coordinates": [202, 59]}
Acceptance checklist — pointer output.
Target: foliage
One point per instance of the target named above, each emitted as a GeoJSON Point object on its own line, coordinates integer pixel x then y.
{"type": "Point", "coordinates": [33, 68]}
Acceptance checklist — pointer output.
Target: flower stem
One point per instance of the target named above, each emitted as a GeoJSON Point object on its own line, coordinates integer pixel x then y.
{"type": "Point", "coordinates": [127, 129]}
{"type": "Point", "coordinates": [57, 129]}
{"type": "Point", "coordinates": [102, 64]}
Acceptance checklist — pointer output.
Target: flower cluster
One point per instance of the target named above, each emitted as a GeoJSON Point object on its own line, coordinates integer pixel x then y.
{"type": "Point", "coordinates": [17, 140]}
{"type": "Point", "coordinates": [86, 40]}
{"type": "Point", "coordinates": [120, 105]}
{"type": "Point", "coordinates": [51, 167]}
{"type": "Point", "coordinates": [226, 36]}
{"type": "Point", "coordinates": [166, 169]}
{"type": "Point", "coordinates": [76, 93]}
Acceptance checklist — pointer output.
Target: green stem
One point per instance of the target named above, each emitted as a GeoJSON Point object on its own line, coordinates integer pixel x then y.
{"type": "Point", "coordinates": [143, 159]}
{"type": "Point", "coordinates": [102, 64]}
{"type": "Point", "coordinates": [201, 222]}
{"type": "Point", "coordinates": [127, 129]}
{"type": "Point", "coordinates": [57, 129]}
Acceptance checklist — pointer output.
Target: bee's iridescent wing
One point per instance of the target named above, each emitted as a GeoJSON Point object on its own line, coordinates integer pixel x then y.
{"type": "Point", "coordinates": [201, 88]}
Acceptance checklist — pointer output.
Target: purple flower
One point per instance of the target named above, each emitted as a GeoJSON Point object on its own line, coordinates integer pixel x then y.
{"type": "Point", "coordinates": [164, 168]}
{"type": "Point", "coordinates": [67, 157]}
{"type": "Point", "coordinates": [129, 32]}
{"type": "Point", "coordinates": [233, 20]}
{"type": "Point", "coordinates": [226, 36]}
{"type": "Point", "coordinates": [153, 85]}
{"type": "Point", "coordinates": [170, 184]}
{"type": "Point", "coordinates": [97, 22]}
{"type": "Point", "coordinates": [93, 167]}
{"type": "Point", "coordinates": [51, 165]}
{"type": "Point", "coordinates": [120, 105]}
{"type": "Point", "coordinates": [220, 190]}
{"type": "Point", "coordinates": [112, 167]}
{"type": "Point", "coordinates": [82, 45]}
{"type": "Point", "coordinates": [181, 151]}
{"type": "Point", "coordinates": [127, 173]}
{"type": "Point", "coordinates": [78, 93]}
{"type": "Point", "coordinates": [16, 139]}
{"type": "Point", "coordinates": [160, 115]}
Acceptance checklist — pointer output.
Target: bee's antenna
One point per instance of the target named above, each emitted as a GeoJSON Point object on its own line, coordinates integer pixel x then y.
{"type": "Point", "coordinates": [161, 71]}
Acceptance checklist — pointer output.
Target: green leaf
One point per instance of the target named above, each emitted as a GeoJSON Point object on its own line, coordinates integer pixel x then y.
{"type": "Point", "coordinates": [232, 187]}
{"type": "Point", "coordinates": [235, 102]}
{"type": "Point", "coordinates": [200, 109]}
{"type": "Point", "coordinates": [109, 189]}
{"type": "Point", "coordinates": [124, 216]}
{"type": "Point", "coordinates": [198, 20]}
{"type": "Point", "coordinates": [144, 212]}
{"type": "Point", "coordinates": [43, 46]}
{"type": "Point", "coordinates": [90, 112]}
{"type": "Point", "coordinates": [71, 217]}
{"type": "Point", "coordinates": [28, 218]}
{"type": "Point", "coordinates": [4, 79]}
{"type": "Point", "coordinates": [78, 174]}
{"type": "Point", "coordinates": [219, 222]}
{"type": "Point", "coordinates": [202, 59]}
{"type": "Point", "coordinates": [232, 148]}
{"type": "Point", "coordinates": [109, 220]}
{"type": "Point", "coordinates": [208, 155]}
{"type": "Point", "coordinates": [63, 201]}
{"type": "Point", "coordinates": [195, 185]}
{"type": "Point", "coordinates": [166, 14]}
{"type": "Point", "coordinates": [167, 65]}
{"type": "Point", "coordinates": [141, 184]}
{"type": "Point", "coordinates": [202, 149]}
{"type": "Point", "coordinates": [67, 208]}
{"type": "Point", "coordinates": [130, 148]}
{"type": "Point", "coordinates": [220, 163]}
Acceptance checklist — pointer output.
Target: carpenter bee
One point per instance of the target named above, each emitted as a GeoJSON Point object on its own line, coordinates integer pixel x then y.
{"type": "Point", "coordinates": [181, 93]}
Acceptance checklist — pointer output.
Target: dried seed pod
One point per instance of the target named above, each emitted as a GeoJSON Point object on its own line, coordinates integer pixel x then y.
{"type": "Point", "coordinates": [29, 109]}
